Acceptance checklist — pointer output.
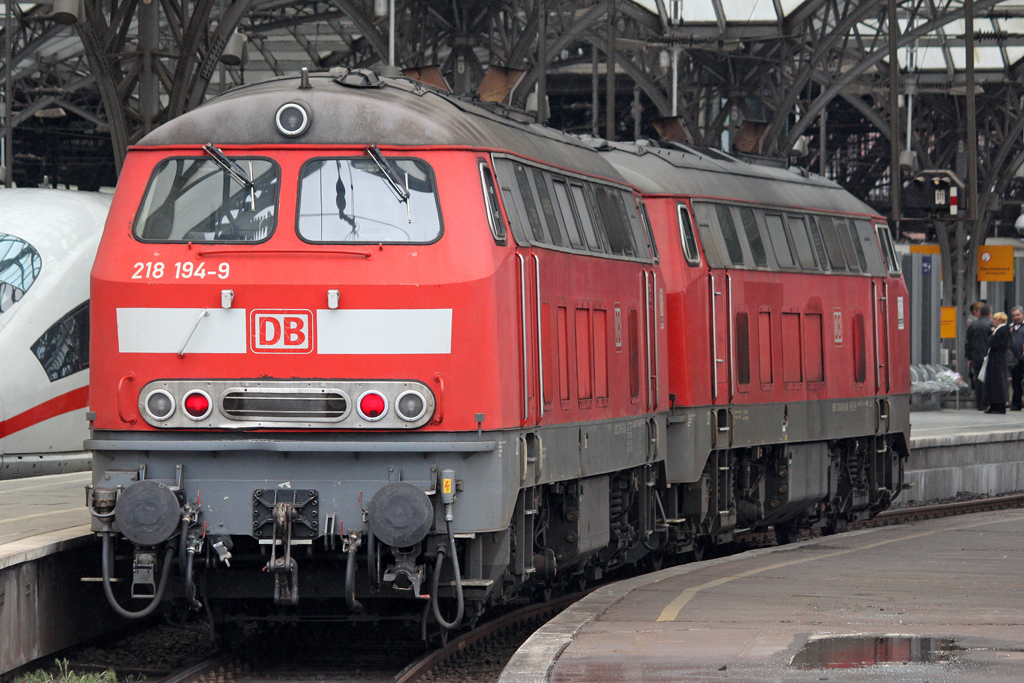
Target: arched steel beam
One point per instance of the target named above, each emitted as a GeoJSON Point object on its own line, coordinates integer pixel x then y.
{"type": "Point", "coordinates": [650, 88]}
{"type": "Point", "coordinates": [44, 102]}
{"type": "Point", "coordinates": [369, 31]}
{"type": "Point", "coordinates": [187, 57]}
{"type": "Point", "coordinates": [875, 118]}
{"type": "Point", "coordinates": [874, 58]}
{"type": "Point", "coordinates": [225, 27]}
{"type": "Point", "coordinates": [93, 31]}
{"type": "Point", "coordinates": [522, 46]}
{"type": "Point", "coordinates": [794, 89]}
{"type": "Point", "coordinates": [995, 170]}
{"type": "Point", "coordinates": [573, 32]}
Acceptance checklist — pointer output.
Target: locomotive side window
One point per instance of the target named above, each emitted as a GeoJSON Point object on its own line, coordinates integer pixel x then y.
{"type": "Point", "coordinates": [529, 204]}
{"type": "Point", "coordinates": [819, 243]}
{"type": "Point", "coordinates": [686, 236]}
{"type": "Point", "coordinates": [583, 211]}
{"type": "Point", "coordinates": [354, 200]}
{"type": "Point", "coordinates": [732, 238]}
{"type": "Point", "coordinates": [568, 217]}
{"type": "Point", "coordinates": [609, 204]}
{"type": "Point", "coordinates": [832, 246]}
{"type": "Point", "coordinates": [491, 201]}
{"type": "Point", "coordinates": [20, 264]}
{"type": "Point", "coordinates": [749, 221]}
{"type": "Point", "coordinates": [888, 251]}
{"type": "Point", "coordinates": [710, 238]}
{"type": "Point", "coordinates": [645, 224]}
{"type": "Point", "coordinates": [194, 199]}
{"type": "Point", "coordinates": [777, 232]}
{"type": "Point", "coordinates": [854, 260]}
{"type": "Point", "coordinates": [63, 349]}
{"type": "Point", "coordinates": [798, 229]}
{"type": "Point", "coordinates": [866, 238]}
{"type": "Point", "coordinates": [547, 207]}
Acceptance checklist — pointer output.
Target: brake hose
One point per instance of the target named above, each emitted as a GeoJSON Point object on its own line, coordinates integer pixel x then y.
{"type": "Point", "coordinates": [350, 581]}
{"type": "Point", "coordinates": [446, 625]}
{"type": "Point", "coordinates": [107, 561]}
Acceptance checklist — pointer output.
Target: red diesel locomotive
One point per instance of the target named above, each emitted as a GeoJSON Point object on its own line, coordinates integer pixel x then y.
{"type": "Point", "coordinates": [357, 342]}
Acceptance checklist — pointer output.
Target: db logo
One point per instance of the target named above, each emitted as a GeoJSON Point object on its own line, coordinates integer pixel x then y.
{"type": "Point", "coordinates": [280, 331]}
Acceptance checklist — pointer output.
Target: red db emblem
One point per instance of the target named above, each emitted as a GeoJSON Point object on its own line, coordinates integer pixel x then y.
{"type": "Point", "coordinates": [280, 331]}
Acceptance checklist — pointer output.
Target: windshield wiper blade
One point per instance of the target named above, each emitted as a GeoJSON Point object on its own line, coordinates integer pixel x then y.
{"type": "Point", "coordinates": [229, 166]}
{"type": "Point", "coordinates": [396, 187]}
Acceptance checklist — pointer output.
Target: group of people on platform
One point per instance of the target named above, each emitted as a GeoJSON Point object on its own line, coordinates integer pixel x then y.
{"type": "Point", "coordinates": [995, 355]}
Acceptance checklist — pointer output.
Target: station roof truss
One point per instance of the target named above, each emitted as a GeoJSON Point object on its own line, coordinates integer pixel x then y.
{"type": "Point", "coordinates": [751, 76]}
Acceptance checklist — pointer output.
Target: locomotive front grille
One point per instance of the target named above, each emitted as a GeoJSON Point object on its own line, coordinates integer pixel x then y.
{"type": "Point", "coordinates": [298, 406]}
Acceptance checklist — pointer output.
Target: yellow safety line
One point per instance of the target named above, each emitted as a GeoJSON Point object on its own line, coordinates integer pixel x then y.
{"type": "Point", "coordinates": [672, 610]}
{"type": "Point", "coordinates": [85, 476]}
{"type": "Point", "coordinates": [44, 514]}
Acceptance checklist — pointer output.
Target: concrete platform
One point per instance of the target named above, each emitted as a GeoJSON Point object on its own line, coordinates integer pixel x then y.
{"type": "Point", "coordinates": [964, 423]}
{"type": "Point", "coordinates": [38, 511]}
{"type": "Point", "coordinates": [956, 582]}
{"type": "Point", "coordinates": [45, 549]}
{"type": "Point", "coordinates": [964, 450]}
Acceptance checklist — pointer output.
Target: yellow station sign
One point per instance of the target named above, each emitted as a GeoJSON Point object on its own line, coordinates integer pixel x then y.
{"type": "Point", "coordinates": [995, 263]}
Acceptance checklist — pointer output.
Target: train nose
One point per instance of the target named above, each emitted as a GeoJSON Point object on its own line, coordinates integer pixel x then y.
{"type": "Point", "coordinates": [147, 513]}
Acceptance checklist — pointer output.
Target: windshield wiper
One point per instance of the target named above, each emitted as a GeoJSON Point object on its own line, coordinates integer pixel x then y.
{"type": "Point", "coordinates": [396, 187]}
{"type": "Point", "coordinates": [233, 170]}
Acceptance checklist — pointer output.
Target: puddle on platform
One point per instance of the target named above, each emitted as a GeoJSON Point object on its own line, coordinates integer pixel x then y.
{"type": "Point", "coordinates": [848, 652]}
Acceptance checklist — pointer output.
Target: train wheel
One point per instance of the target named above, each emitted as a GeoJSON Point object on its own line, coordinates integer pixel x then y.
{"type": "Point", "coordinates": [653, 562]}
{"type": "Point", "coordinates": [835, 525]}
{"type": "Point", "coordinates": [786, 532]}
{"type": "Point", "coordinates": [699, 551]}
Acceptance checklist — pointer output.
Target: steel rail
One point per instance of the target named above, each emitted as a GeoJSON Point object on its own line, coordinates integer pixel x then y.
{"type": "Point", "coordinates": [192, 672]}
{"type": "Point", "coordinates": [947, 509]}
{"type": "Point", "coordinates": [436, 658]}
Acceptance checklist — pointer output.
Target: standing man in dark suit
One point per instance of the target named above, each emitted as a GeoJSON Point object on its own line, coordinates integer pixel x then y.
{"type": "Point", "coordinates": [977, 346]}
{"type": "Point", "coordinates": [1017, 349]}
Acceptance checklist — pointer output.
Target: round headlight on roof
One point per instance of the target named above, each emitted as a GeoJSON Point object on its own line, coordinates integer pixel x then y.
{"type": "Point", "coordinates": [292, 119]}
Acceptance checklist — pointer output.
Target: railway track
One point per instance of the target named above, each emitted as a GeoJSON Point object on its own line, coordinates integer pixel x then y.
{"type": "Point", "coordinates": [478, 655]}
{"type": "Point", "coordinates": [963, 507]}
{"type": "Point", "coordinates": [512, 629]}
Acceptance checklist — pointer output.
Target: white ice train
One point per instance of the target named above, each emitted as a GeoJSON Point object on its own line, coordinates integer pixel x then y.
{"type": "Point", "coordinates": [48, 241]}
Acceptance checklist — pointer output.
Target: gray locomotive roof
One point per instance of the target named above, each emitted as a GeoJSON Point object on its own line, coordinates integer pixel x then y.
{"type": "Point", "coordinates": [401, 112]}
{"type": "Point", "coordinates": [654, 170]}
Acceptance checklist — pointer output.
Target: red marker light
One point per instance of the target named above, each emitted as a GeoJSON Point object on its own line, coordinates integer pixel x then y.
{"type": "Point", "coordinates": [197, 405]}
{"type": "Point", "coordinates": [372, 405]}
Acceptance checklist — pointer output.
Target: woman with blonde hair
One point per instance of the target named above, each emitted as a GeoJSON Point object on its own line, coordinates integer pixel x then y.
{"type": "Point", "coordinates": [996, 371]}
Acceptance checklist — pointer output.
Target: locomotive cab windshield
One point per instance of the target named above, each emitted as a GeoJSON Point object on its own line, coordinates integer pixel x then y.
{"type": "Point", "coordinates": [196, 199]}
{"type": "Point", "coordinates": [368, 199]}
